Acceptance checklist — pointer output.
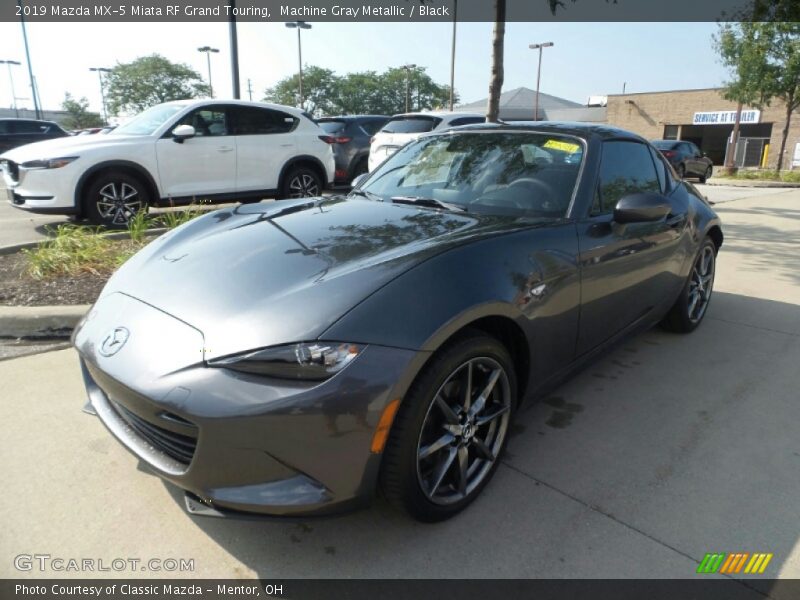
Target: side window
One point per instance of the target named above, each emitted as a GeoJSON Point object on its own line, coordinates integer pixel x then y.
{"type": "Point", "coordinates": [695, 150]}
{"type": "Point", "coordinates": [26, 127]}
{"type": "Point", "coordinates": [207, 122]}
{"type": "Point", "coordinates": [261, 121]}
{"type": "Point", "coordinates": [625, 168]}
{"type": "Point", "coordinates": [3, 127]}
{"type": "Point", "coordinates": [466, 121]}
{"type": "Point", "coordinates": [661, 169]}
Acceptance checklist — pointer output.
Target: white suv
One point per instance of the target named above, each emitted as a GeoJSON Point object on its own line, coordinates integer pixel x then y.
{"type": "Point", "coordinates": [173, 153]}
{"type": "Point", "coordinates": [401, 129]}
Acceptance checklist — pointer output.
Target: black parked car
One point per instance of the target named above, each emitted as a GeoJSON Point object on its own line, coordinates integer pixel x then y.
{"type": "Point", "coordinates": [686, 158]}
{"type": "Point", "coordinates": [18, 132]}
{"type": "Point", "coordinates": [386, 338]}
{"type": "Point", "coordinates": [350, 138]}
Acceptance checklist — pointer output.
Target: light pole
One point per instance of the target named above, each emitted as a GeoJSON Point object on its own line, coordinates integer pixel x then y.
{"type": "Point", "coordinates": [408, 82]}
{"type": "Point", "coordinates": [28, 59]}
{"type": "Point", "coordinates": [11, 81]}
{"type": "Point", "coordinates": [538, 47]}
{"type": "Point", "coordinates": [208, 50]}
{"type": "Point", "coordinates": [100, 71]}
{"type": "Point", "coordinates": [299, 25]}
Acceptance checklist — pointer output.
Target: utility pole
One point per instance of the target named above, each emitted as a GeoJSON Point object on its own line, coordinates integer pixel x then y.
{"type": "Point", "coordinates": [28, 59]}
{"type": "Point", "coordinates": [234, 49]}
{"type": "Point", "coordinates": [250, 89]}
{"type": "Point", "coordinates": [408, 83]}
{"type": "Point", "coordinates": [453, 56]}
{"type": "Point", "coordinates": [539, 47]}
{"type": "Point", "coordinates": [8, 63]}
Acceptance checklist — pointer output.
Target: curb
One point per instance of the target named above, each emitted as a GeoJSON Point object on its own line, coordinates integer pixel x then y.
{"type": "Point", "coordinates": [113, 235]}
{"type": "Point", "coordinates": [40, 321]}
{"type": "Point", "coordinates": [753, 183]}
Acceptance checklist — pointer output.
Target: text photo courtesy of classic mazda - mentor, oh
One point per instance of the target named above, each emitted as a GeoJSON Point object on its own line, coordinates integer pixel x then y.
{"type": "Point", "coordinates": [330, 346]}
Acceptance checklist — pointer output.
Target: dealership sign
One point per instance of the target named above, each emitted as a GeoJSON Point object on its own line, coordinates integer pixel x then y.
{"type": "Point", "coordinates": [725, 117]}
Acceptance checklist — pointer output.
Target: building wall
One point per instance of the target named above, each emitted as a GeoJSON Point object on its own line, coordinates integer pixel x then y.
{"type": "Point", "coordinates": [648, 113]}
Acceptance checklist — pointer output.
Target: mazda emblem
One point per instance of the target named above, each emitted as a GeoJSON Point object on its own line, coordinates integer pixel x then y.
{"type": "Point", "coordinates": [114, 341]}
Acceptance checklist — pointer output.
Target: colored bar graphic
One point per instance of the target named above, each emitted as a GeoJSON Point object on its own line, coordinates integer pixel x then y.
{"type": "Point", "coordinates": [734, 562]}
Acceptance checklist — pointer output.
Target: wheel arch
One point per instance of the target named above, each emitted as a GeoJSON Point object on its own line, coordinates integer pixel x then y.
{"type": "Point", "coordinates": [715, 233]}
{"type": "Point", "coordinates": [126, 166]}
{"type": "Point", "coordinates": [304, 160]}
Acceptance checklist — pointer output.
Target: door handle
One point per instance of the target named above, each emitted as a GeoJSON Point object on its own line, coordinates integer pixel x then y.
{"type": "Point", "coordinates": [286, 145]}
{"type": "Point", "coordinates": [225, 149]}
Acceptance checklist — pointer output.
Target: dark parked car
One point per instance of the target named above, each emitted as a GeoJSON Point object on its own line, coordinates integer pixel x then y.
{"type": "Point", "coordinates": [18, 132]}
{"type": "Point", "coordinates": [386, 339]}
{"type": "Point", "coordinates": [686, 158]}
{"type": "Point", "coordinates": [350, 137]}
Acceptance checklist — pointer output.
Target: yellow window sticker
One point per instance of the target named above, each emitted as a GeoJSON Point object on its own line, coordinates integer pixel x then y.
{"type": "Point", "coordinates": [567, 147]}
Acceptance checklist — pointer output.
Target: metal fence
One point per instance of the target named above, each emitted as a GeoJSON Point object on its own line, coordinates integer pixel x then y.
{"type": "Point", "coordinates": [749, 152]}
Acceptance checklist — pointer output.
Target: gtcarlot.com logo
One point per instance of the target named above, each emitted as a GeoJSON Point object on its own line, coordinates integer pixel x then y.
{"type": "Point", "coordinates": [735, 562]}
{"type": "Point", "coordinates": [46, 563]}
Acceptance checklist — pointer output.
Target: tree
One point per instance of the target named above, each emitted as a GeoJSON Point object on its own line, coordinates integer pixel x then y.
{"type": "Point", "coordinates": [318, 90]}
{"type": "Point", "coordinates": [367, 92]}
{"type": "Point", "coordinates": [764, 58]}
{"type": "Point", "coordinates": [78, 114]}
{"type": "Point", "coordinates": [149, 80]}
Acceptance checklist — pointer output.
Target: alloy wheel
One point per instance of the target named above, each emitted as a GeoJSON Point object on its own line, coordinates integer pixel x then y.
{"type": "Point", "coordinates": [701, 284]}
{"type": "Point", "coordinates": [463, 431]}
{"type": "Point", "coordinates": [118, 203]}
{"type": "Point", "coordinates": [303, 185]}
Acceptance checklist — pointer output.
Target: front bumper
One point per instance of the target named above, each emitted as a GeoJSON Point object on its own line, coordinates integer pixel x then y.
{"type": "Point", "coordinates": [47, 191]}
{"type": "Point", "coordinates": [238, 442]}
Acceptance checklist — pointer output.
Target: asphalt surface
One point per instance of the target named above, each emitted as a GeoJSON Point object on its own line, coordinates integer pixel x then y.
{"type": "Point", "coordinates": [668, 448]}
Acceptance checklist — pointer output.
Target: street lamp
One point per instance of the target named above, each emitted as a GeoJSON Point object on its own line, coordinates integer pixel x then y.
{"type": "Point", "coordinates": [100, 71]}
{"type": "Point", "coordinates": [11, 81]}
{"type": "Point", "coordinates": [299, 25]}
{"type": "Point", "coordinates": [208, 50]}
{"type": "Point", "coordinates": [538, 47]}
{"type": "Point", "coordinates": [453, 56]}
{"type": "Point", "coordinates": [408, 82]}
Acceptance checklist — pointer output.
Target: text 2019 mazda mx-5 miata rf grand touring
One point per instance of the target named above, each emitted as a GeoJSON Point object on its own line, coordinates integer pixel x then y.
{"type": "Point", "coordinates": [290, 358]}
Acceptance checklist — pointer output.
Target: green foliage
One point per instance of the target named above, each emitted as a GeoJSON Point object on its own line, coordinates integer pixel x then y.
{"type": "Point", "coordinates": [368, 92]}
{"type": "Point", "coordinates": [767, 175]}
{"type": "Point", "coordinates": [79, 116]}
{"type": "Point", "coordinates": [149, 80]}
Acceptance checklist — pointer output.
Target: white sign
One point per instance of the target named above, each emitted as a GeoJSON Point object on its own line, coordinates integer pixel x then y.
{"type": "Point", "coordinates": [796, 157]}
{"type": "Point", "coordinates": [726, 117]}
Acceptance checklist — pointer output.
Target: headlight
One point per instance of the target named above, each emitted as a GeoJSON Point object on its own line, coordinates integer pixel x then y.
{"type": "Point", "coordinates": [49, 163]}
{"type": "Point", "coordinates": [313, 361]}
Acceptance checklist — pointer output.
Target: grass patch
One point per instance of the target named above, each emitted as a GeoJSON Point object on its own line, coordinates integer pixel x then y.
{"type": "Point", "coordinates": [74, 250]}
{"type": "Point", "coordinates": [767, 175]}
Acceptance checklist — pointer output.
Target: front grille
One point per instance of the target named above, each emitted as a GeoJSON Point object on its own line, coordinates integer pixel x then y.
{"type": "Point", "coordinates": [175, 445]}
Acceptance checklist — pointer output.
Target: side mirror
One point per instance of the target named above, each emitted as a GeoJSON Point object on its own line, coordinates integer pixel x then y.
{"type": "Point", "coordinates": [359, 180]}
{"type": "Point", "coordinates": [641, 207]}
{"type": "Point", "coordinates": [182, 133]}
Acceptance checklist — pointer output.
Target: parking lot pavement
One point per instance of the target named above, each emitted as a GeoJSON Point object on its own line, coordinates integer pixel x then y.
{"type": "Point", "coordinates": [18, 226]}
{"type": "Point", "coordinates": [669, 447]}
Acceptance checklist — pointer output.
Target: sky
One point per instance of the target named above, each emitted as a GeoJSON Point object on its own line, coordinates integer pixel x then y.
{"type": "Point", "coordinates": [587, 58]}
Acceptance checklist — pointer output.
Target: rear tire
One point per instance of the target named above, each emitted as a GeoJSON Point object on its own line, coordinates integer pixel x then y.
{"type": "Point", "coordinates": [441, 454]}
{"type": "Point", "coordinates": [681, 171]}
{"type": "Point", "coordinates": [113, 198]}
{"type": "Point", "coordinates": [301, 182]}
{"type": "Point", "coordinates": [691, 306]}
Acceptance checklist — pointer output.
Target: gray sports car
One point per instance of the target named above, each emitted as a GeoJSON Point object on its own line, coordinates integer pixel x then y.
{"type": "Point", "coordinates": [292, 357]}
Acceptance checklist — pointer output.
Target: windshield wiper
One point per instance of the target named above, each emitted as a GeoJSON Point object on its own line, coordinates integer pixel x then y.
{"type": "Point", "coordinates": [429, 202]}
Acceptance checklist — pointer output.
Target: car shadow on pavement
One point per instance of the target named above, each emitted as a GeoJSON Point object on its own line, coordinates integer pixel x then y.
{"type": "Point", "coordinates": [667, 448]}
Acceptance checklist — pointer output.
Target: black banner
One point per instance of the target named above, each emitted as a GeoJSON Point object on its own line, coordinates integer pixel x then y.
{"type": "Point", "coordinates": [699, 588]}
{"type": "Point", "coordinates": [397, 10]}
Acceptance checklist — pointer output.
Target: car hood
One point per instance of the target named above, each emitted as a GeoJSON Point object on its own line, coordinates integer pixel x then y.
{"type": "Point", "coordinates": [271, 273]}
{"type": "Point", "coordinates": [64, 146]}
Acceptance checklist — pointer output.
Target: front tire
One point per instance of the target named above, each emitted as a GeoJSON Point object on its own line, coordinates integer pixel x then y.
{"type": "Point", "coordinates": [451, 429]}
{"type": "Point", "coordinates": [691, 306]}
{"type": "Point", "coordinates": [301, 182]}
{"type": "Point", "coordinates": [707, 175]}
{"type": "Point", "coordinates": [113, 198]}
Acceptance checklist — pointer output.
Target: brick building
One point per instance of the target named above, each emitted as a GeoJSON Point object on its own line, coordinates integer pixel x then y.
{"type": "Point", "coordinates": [706, 118]}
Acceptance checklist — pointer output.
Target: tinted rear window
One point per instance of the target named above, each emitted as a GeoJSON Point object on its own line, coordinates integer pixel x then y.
{"type": "Point", "coordinates": [332, 126]}
{"type": "Point", "coordinates": [664, 144]}
{"type": "Point", "coordinates": [410, 124]}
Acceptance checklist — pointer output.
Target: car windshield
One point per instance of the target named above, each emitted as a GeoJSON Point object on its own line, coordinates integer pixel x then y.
{"type": "Point", "coordinates": [332, 126]}
{"type": "Point", "coordinates": [147, 122]}
{"type": "Point", "coordinates": [505, 173]}
{"type": "Point", "coordinates": [410, 124]}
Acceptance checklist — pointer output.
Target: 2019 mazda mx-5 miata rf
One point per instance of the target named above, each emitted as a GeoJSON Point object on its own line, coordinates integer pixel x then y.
{"type": "Point", "coordinates": [291, 358]}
